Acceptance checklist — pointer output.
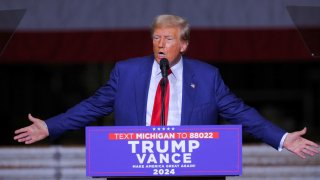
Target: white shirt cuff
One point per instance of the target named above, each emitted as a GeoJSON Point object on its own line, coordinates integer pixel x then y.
{"type": "Point", "coordinates": [46, 126]}
{"type": "Point", "coordinates": [280, 148]}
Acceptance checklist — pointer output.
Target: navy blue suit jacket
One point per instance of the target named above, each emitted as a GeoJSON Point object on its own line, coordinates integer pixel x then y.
{"type": "Point", "coordinates": [126, 94]}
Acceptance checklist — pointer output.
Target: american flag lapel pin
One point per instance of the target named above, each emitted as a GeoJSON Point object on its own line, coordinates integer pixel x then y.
{"type": "Point", "coordinates": [193, 85]}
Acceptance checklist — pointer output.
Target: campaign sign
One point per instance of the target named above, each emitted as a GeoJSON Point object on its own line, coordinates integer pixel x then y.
{"type": "Point", "coordinates": [139, 151]}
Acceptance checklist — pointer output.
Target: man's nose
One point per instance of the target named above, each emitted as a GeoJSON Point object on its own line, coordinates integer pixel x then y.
{"type": "Point", "coordinates": [161, 43]}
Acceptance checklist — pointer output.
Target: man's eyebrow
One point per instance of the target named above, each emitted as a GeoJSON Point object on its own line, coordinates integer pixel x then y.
{"type": "Point", "coordinates": [169, 36]}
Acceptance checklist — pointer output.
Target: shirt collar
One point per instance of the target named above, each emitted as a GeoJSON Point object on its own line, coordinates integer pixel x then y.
{"type": "Point", "coordinates": [176, 69]}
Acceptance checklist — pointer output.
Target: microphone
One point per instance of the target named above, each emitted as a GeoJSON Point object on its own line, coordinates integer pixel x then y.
{"type": "Point", "coordinates": [164, 66]}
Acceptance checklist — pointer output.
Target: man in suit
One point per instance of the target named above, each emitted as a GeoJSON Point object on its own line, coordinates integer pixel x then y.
{"type": "Point", "coordinates": [196, 95]}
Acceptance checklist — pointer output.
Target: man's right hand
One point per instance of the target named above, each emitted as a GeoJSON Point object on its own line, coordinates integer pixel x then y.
{"type": "Point", "coordinates": [33, 133]}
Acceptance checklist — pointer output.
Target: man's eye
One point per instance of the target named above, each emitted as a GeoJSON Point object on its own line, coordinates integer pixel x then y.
{"type": "Point", "coordinates": [156, 38]}
{"type": "Point", "coordinates": [169, 38]}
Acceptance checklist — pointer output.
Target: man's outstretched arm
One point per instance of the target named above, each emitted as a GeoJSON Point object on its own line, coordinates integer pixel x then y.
{"type": "Point", "coordinates": [37, 131]}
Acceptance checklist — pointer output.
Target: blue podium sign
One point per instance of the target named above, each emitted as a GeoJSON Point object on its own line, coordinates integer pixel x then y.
{"type": "Point", "coordinates": [137, 151]}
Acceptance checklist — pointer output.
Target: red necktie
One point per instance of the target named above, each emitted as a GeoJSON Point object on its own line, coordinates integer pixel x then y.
{"type": "Point", "coordinates": [156, 112]}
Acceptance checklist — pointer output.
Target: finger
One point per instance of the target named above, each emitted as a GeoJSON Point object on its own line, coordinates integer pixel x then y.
{"type": "Point", "coordinates": [306, 151]}
{"type": "Point", "coordinates": [22, 130]}
{"type": "Point", "coordinates": [310, 153]}
{"type": "Point", "coordinates": [310, 143]}
{"type": "Point", "coordinates": [23, 135]}
{"type": "Point", "coordinates": [314, 150]}
{"type": "Point", "coordinates": [301, 155]}
{"type": "Point", "coordinates": [30, 141]}
{"type": "Point", "coordinates": [31, 118]}
{"type": "Point", "coordinates": [302, 132]}
{"type": "Point", "coordinates": [22, 139]}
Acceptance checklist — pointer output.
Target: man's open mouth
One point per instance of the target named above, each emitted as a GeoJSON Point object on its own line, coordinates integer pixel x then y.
{"type": "Point", "coordinates": [161, 55]}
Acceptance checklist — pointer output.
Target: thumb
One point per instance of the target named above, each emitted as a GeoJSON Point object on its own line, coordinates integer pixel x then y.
{"type": "Point", "coordinates": [302, 132]}
{"type": "Point", "coordinates": [31, 118]}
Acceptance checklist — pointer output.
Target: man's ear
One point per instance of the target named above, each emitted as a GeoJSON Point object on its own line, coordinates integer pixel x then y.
{"type": "Point", "coordinates": [184, 46]}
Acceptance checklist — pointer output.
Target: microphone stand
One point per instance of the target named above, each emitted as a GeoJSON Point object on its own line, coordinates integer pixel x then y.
{"type": "Point", "coordinates": [164, 66]}
{"type": "Point", "coordinates": [163, 85]}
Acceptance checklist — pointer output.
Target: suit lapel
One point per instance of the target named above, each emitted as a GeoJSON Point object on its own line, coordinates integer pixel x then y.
{"type": "Point", "coordinates": [142, 83]}
{"type": "Point", "coordinates": [188, 93]}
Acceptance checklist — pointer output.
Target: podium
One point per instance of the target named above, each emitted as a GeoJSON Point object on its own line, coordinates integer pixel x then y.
{"type": "Point", "coordinates": [174, 152]}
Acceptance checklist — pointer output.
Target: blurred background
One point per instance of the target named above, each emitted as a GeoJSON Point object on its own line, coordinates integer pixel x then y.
{"type": "Point", "coordinates": [62, 51]}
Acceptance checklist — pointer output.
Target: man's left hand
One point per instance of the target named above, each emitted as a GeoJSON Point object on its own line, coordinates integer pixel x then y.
{"type": "Point", "coordinates": [300, 146]}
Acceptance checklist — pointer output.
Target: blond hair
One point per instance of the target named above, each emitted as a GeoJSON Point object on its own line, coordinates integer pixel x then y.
{"type": "Point", "coordinates": [167, 20]}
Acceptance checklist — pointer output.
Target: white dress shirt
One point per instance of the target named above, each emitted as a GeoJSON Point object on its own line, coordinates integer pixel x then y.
{"type": "Point", "coordinates": [175, 98]}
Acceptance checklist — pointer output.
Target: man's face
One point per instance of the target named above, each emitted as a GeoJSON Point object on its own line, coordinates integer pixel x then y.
{"type": "Point", "coordinates": [167, 44]}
